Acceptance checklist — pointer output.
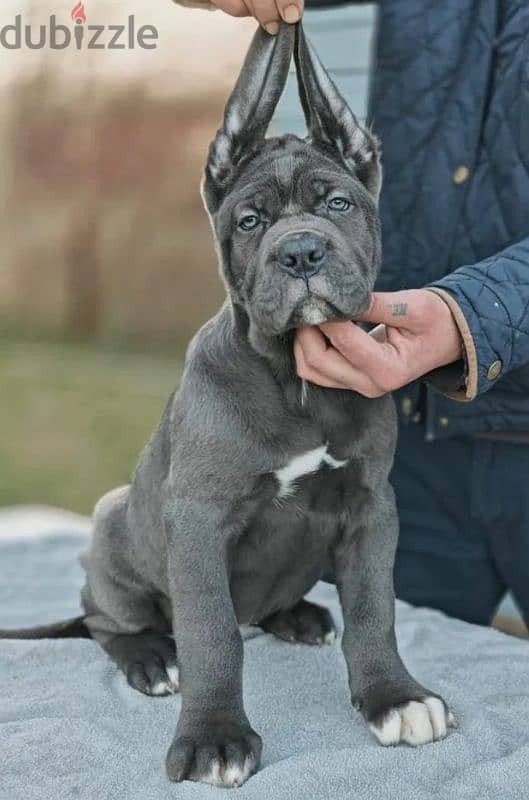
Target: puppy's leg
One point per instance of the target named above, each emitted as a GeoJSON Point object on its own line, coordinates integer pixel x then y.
{"type": "Point", "coordinates": [214, 742]}
{"type": "Point", "coordinates": [396, 707]}
{"type": "Point", "coordinates": [305, 622]}
{"type": "Point", "coordinates": [121, 612]}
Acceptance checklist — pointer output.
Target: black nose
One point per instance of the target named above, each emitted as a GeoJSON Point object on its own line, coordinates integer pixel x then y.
{"type": "Point", "coordinates": [302, 254]}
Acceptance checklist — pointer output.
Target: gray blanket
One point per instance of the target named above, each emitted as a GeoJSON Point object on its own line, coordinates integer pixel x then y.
{"type": "Point", "coordinates": [71, 728]}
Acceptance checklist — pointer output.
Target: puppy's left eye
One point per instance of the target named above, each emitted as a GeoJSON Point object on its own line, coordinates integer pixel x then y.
{"type": "Point", "coordinates": [339, 204]}
{"type": "Point", "coordinates": [249, 222]}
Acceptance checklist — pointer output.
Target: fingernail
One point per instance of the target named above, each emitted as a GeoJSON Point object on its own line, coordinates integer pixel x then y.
{"type": "Point", "coordinates": [291, 14]}
{"type": "Point", "coordinates": [272, 28]}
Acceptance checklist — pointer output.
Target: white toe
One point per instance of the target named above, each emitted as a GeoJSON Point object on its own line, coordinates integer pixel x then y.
{"type": "Point", "coordinates": [437, 716]}
{"type": "Point", "coordinates": [234, 775]}
{"type": "Point", "coordinates": [214, 776]}
{"type": "Point", "coordinates": [161, 688]}
{"type": "Point", "coordinates": [170, 686]}
{"type": "Point", "coordinates": [173, 674]}
{"type": "Point", "coordinates": [416, 725]}
{"type": "Point", "coordinates": [388, 732]}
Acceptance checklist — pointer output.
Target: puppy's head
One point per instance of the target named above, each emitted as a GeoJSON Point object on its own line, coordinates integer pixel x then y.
{"type": "Point", "coordinates": [295, 219]}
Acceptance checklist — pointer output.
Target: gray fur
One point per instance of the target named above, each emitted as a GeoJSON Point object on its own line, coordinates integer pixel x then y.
{"type": "Point", "coordinates": [202, 541]}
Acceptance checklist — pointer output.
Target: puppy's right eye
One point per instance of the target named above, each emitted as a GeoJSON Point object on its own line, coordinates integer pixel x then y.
{"type": "Point", "coordinates": [249, 222]}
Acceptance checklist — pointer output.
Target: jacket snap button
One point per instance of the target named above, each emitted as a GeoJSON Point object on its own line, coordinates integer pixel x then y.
{"type": "Point", "coordinates": [406, 406]}
{"type": "Point", "coordinates": [444, 422]}
{"type": "Point", "coordinates": [461, 174]}
{"type": "Point", "coordinates": [494, 370]}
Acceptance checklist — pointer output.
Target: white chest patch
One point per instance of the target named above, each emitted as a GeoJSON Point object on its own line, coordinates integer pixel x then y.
{"type": "Point", "coordinates": [306, 464]}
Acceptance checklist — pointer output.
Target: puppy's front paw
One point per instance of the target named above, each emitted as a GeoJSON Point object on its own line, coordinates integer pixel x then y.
{"type": "Point", "coordinates": [415, 722]}
{"type": "Point", "coordinates": [221, 754]}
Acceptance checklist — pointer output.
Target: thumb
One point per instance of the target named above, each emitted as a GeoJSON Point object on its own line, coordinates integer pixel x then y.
{"type": "Point", "coordinates": [390, 308]}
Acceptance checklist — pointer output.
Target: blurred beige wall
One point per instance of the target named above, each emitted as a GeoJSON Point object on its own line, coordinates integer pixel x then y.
{"type": "Point", "coordinates": [196, 50]}
{"type": "Point", "coordinates": [102, 231]}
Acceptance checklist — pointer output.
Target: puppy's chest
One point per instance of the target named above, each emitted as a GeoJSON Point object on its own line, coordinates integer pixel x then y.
{"type": "Point", "coordinates": [310, 467]}
{"type": "Point", "coordinates": [283, 549]}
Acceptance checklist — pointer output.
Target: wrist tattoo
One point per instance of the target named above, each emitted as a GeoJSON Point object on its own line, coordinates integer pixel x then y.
{"type": "Point", "coordinates": [399, 309]}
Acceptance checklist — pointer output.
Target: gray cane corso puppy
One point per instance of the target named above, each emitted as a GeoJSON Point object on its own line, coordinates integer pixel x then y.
{"type": "Point", "coordinates": [254, 480]}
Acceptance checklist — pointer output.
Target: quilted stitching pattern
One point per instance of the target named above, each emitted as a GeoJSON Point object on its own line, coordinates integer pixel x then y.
{"type": "Point", "coordinates": [494, 296]}
{"type": "Point", "coordinates": [451, 87]}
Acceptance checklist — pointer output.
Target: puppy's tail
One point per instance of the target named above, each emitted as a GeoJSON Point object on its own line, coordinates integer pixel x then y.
{"type": "Point", "coordinates": [68, 629]}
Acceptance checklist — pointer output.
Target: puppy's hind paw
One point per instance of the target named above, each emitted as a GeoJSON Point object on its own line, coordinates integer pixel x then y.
{"type": "Point", "coordinates": [148, 661]}
{"type": "Point", "coordinates": [305, 622]}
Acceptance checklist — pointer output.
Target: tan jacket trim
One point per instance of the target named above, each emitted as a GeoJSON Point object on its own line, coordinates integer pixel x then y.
{"type": "Point", "coordinates": [205, 5]}
{"type": "Point", "coordinates": [468, 342]}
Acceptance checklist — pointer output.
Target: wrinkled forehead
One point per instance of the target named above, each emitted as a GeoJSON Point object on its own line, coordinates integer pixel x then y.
{"type": "Point", "coordinates": [284, 169]}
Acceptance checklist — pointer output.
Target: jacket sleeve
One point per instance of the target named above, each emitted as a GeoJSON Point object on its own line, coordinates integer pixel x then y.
{"type": "Point", "coordinates": [490, 304]}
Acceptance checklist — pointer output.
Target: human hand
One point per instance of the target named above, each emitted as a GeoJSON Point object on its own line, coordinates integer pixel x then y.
{"type": "Point", "coordinates": [267, 12]}
{"type": "Point", "coordinates": [417, 334]}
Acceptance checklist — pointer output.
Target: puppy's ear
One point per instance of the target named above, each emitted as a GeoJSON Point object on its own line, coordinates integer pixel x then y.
{"type": "Point", "coordinates": [249, 109]}
{"type": "Point", "coordinates": [329, 119]}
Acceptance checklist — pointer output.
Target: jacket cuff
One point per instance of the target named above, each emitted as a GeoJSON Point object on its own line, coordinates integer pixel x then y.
{"type": "Point", "coordinates": [205, 5]}
{"type": "Point", "coordinates": [465, 386]}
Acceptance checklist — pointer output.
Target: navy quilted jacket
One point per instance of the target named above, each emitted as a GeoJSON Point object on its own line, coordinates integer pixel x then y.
{"type": "Point", "coordinates": [450, 102]}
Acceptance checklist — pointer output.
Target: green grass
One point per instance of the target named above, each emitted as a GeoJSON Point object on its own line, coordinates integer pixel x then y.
{"type": "Point", "coordinates": [74, 418]}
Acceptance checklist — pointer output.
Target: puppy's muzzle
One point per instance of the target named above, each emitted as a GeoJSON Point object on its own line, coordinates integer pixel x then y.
{"type": "Point", "coordinates": [302, 254]}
